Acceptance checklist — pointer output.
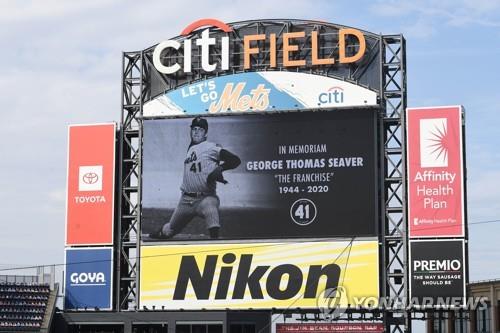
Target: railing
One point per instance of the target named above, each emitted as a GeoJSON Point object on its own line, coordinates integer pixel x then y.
{"type": "Point", "coordinates": [21, 279]}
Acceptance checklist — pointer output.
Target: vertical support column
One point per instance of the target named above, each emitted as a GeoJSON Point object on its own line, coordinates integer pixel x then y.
{"type": "Point", "coordinates": [493, 309]}
{"type": "Point", "coordinates": [472, 321]}
{"type": "Point", "coordinates": [393, 102]}
{"type": "Point", "coordinates": [129, 178]}
{"type": "Point", "coordinates": [450, 321]}
{"type": "Point", "coordinates": [429, 323]}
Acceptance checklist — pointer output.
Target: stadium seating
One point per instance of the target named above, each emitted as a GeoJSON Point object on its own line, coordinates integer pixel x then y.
{"type": "Point", "coordinates": [22, 306]}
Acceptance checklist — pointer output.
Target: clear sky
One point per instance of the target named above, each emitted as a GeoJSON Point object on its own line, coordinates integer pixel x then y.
{"type": "Point", "coordinates": [61, 64]}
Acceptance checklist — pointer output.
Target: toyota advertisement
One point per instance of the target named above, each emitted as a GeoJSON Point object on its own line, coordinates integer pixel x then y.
{"type": "Point", "coordinates": [90, 184]}
{"type": "Point", "coordinates": [88, 279]}
{"type": "Point", "coordinates": [435, 172]}
{"type": "Point", "coordinates": [275, 175]}
{"type": "Point", "coordinates": [438, 273]}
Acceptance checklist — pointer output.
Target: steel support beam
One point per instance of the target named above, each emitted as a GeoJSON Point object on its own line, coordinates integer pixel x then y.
{"type": "Point", "coordinates": [394, 252]}
{"type": "Point", "coordinates": [129, 182]}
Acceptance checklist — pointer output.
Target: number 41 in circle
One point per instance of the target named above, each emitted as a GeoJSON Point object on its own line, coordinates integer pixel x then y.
{"type": "Point", "coordinates": [303, 211]}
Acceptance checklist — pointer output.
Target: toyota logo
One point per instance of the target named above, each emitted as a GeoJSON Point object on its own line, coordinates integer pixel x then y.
{"type": "Point", "coordinates": [90, 178]}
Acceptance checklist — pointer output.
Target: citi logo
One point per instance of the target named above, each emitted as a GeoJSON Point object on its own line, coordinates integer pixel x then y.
{"type": "Point", "coordinates": [88, 279]}
{"type": "Point", "coordinates": [334, 95]}
{"type": "Point", "coordinates": [204, 42]}
{"type": "Point", "coordinates": [90, 178]}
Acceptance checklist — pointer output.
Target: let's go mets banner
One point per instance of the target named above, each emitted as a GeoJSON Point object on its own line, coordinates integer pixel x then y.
{"type": "Point", "coordinates": [90, 188]}
{"type": "Point", "coordinates": [435, 172]}
{"type": "Point", "coordinates": [260, 91]}
{"type": "Point", "coordinates": [258, 275]}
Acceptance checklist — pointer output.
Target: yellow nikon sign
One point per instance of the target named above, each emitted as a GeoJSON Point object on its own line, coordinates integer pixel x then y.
{"type": "Point", "coordinates": [257, 275]}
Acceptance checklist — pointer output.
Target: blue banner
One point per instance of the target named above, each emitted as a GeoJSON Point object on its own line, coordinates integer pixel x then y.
{"type": "Point", "coordinates": [88, 279]}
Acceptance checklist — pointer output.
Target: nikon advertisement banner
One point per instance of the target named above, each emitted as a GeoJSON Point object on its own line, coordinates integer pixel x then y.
{"type": "Point", "coordinates": [300, 174]}
{"type": "Point", "coordinates": [258, 275]}
{"type": "Point", "coordinates": [438, 271]}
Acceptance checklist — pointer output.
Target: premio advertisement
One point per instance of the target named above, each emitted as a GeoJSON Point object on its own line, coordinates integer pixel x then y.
{"type": "Point", "coordinates": [438, 273]}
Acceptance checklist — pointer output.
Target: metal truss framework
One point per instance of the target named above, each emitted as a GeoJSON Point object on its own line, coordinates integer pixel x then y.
{"type": "Point", "coordinates": [394, 256]}
{"type": "Point", "coordinates": [136, 90]}
{"type": "Point", "coordinates": [127, 248]}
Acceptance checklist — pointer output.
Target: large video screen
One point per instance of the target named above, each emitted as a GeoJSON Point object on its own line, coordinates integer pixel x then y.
{"type": "Point", "coordinates": [260, 176]}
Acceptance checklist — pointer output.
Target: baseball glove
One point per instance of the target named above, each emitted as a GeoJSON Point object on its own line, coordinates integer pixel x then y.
{"type": "Point", "coordinates": [216, 176]}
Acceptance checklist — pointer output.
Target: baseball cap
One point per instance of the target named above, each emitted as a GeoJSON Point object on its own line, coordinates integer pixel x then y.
{"type": "Point", "coordinates": [200, 122]}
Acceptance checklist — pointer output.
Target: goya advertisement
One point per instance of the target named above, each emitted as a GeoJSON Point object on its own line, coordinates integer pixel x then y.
{"type": "Point", "coordinates": [260, 91]}
{"type": "Point", "coordinates": [88, 279]}
{"type": "Point", "coordinates": [258, 275]}
{"type": "Point", "coordinates": [435, 172]}
{"type": "Point", "coordinates": [255, 176]}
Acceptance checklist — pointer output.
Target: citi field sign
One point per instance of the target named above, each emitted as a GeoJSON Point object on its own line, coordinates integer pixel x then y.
{"type": "Point", "coordinates": [213, 68]}
{"type": "Point", "coordinates": [249, 46]}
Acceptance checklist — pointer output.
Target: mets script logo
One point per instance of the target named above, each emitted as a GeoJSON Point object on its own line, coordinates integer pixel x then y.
{"type": "Point", "coordinates": [334, 95]}
{"type": "Point", "coordinates": [191, 158]}
{"type": "Point", "coordinates": [90, 178]}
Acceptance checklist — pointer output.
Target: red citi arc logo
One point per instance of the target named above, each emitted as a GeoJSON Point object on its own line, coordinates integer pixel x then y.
{"type": "Point", "coordinates": [206, 23]}
{"type": "Point", "coordinates": [90, 178]}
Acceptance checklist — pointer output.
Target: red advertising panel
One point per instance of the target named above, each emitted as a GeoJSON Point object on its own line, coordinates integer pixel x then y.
{"type": "Point", "coordinates": [90, 188]}
{"type": "Point", "coordinates": [330, 328]}
{"type": "Point", "coordinates": [435, 172]}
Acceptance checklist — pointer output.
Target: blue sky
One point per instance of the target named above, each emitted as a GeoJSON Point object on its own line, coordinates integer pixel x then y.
{"type": "Point", "coordinates": [61, 64]}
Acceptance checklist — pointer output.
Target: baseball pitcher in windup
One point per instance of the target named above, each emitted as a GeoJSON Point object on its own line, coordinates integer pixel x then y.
{"type": "Point", "coordinates": [203, 168]}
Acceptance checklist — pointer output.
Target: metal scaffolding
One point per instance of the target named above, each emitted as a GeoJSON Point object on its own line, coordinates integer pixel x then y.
{"type": "Point", "coordinates": [394, 256]}
{"type": "Point", "coordinates": [385, 54]}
